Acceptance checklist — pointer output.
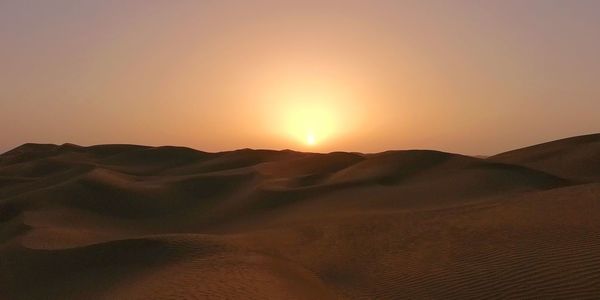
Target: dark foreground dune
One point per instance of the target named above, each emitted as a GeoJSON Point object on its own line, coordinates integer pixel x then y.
{"type": "Point", "coordinates": [135, 222]}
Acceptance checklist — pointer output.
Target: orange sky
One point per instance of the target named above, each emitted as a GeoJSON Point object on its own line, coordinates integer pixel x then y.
{"type": "Point", "coordinates": [475, 77]}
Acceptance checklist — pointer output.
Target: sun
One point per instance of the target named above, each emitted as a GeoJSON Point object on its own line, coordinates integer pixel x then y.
{"type": "Point", "coordinates": [310, 139]}
{"type": "Point", "coordinates": [314, 107]}
{"type": "Point", "coordinates": [310, 124]}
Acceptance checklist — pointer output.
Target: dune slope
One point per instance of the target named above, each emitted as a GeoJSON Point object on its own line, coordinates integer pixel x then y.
{"type": "Point", "coordinates": [137, 222]}
{"type": "Point", "coordinates": [576, 157]}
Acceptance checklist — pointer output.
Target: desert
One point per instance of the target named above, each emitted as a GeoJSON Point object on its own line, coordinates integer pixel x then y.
{"type": "Point", "coordinates": [138, 222]}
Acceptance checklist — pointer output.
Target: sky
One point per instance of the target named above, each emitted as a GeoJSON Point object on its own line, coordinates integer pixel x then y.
{"type": "Point", "coordinates": [472, 77]}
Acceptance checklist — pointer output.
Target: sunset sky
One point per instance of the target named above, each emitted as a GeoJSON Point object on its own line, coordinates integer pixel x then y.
{"type": "Point", "coordinates": [474, 77]}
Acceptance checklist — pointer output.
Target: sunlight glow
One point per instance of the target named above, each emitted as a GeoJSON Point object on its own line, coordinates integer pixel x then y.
{"type": "Point", "coordinates": [310, 139]}
{"type": "Point", "coordinates": [311, 123]}
{"type": "Point", "coordinates": [314, 105]}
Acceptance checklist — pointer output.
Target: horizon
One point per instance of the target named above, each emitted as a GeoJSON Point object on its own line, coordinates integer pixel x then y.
{"type": "Point", "coordinates": [313, 152]}
{"type": "Point", "coordinates": [313, 76]}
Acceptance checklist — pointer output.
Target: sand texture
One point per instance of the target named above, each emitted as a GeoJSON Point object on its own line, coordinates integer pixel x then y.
{"type": "Point", "coordinates": [137, 222]}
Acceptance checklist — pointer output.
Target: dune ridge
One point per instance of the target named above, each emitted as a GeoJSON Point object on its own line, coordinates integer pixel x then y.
{"type": "Point", "coordinates": [140, 222]}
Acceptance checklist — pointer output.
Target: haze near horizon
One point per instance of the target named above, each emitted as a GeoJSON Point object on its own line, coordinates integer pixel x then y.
{"type": "Point", "coordinates": [458, 76]}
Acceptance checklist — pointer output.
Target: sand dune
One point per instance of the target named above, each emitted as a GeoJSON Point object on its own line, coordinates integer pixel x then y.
{"type": "Point", "coordinates": [576, 157]}
{"type": "Point", "coordinates": [138, 222]}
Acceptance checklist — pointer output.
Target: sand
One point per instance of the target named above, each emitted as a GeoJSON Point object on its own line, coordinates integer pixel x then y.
{"type": "Point", "coordinates": [137, 222]}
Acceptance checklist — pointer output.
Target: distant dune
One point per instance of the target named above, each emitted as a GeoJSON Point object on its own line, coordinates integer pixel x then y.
{"type": "Point", "coordinates": [137, 222]}
{"type": "Point", "coordinates": [577, 158]}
